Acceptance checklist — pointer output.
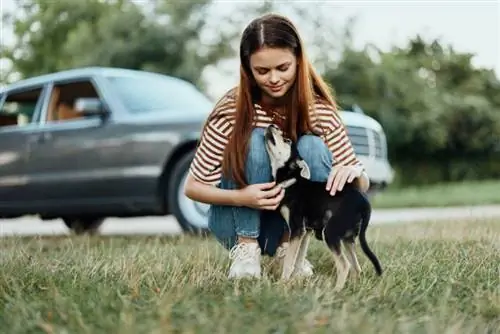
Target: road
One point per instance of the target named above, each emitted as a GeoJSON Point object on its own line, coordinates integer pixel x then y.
{"type": "Point", "coordinates": [168, 225]}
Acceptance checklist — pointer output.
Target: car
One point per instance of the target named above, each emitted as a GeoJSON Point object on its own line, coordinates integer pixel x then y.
{"type": "Point", "coordinates": [89, 143]}
{"type": "Point", "coordinates": [370, 145]}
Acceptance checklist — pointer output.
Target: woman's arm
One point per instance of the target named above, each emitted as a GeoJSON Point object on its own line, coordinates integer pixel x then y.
{"type": "Point", "coordinates": [346, 166]}
{"type": "Point", "coordinates": [262, 196]}
{"type": "Point", "coordinates": [206, 167]}
{"type": "Point", "coordinates": [205, 193]}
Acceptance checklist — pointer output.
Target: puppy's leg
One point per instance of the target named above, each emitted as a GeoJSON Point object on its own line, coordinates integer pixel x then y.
{"type": "Point", "coordinates": [351, 255]}
{"type": "Point", "coordinates": [291, 256]}
{"type": "Point", "coordinates": [341, 262]}
{"type": "Point", "coordinates": [301, 256]}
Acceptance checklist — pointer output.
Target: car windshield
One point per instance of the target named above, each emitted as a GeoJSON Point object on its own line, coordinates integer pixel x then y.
{"type": "Point", "coordinates": [143, 93]}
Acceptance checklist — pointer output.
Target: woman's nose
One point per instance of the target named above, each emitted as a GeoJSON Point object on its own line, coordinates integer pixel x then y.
{"type": "Point", "coordinates": [274, 78]}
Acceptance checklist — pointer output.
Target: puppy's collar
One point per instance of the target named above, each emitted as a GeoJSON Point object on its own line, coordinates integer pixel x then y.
{"type": "Point", "coordinates": [287, 183]}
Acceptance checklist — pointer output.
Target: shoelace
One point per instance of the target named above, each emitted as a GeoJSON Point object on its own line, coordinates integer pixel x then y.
{"type": "Point", "coordinates": [240, 252]}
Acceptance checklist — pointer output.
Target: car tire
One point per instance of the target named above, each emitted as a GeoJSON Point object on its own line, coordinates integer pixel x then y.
{"type": "Point", "coordinates": [192, 216]}
{"type": "Point", "coordinates": [83, 225]}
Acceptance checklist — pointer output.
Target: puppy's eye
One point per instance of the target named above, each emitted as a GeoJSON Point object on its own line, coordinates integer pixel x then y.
{"type": "Point", "coordinates": [288, 141]}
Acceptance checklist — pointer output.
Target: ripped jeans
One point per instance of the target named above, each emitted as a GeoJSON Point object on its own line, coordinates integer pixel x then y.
{"type": "Point", "coordinates": [226, 223]}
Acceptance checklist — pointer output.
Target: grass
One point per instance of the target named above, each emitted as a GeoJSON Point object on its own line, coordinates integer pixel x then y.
{"type": "Point", "coordinates": [439, 278]}
{"type": "Point", "coordinates": [440, 195]}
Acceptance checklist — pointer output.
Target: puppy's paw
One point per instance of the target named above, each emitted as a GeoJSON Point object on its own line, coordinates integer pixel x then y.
{"type": "Point", "coordinates": [287, 274]}
{"type": "Point", "coordinates": [355, 274]}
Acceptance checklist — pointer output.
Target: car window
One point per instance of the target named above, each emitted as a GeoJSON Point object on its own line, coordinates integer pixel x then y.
{"type": "Point", "coordinates": [61, 106]}
{"type": "Point", "coordinates": [159, 93]}
{"type": "Point", "coordinates": [20, 108]}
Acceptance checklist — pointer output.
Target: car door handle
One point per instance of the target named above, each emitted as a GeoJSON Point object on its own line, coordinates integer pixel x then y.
{"type": "Point", "coordinates": [40, 138]}
{"type": "Point", "coordinates": [46, 136]}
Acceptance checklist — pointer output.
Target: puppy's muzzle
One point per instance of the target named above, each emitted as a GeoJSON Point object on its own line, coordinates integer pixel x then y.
{"type": "Point", "coordinates": [270, 134]}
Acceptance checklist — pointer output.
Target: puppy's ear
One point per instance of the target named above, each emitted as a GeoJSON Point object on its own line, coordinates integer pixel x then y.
{"type": "Point", "coordinates": [305, 172]}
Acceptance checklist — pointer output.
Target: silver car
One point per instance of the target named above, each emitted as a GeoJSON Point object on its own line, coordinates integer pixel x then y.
{"type": "Point", "coordinates": [85, 144]}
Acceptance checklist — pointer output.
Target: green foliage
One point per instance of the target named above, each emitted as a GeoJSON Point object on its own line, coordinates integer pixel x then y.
{"type": "Point", "coordinates": [165, 37]}
{"type": "Point", "coordinates": [42, 29]}
{"type": "Point", "coordinates": [434, 105]}
{"type": "Point", "coordinates": [441, 194]}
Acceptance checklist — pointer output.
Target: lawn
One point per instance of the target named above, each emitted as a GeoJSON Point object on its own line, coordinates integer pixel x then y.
{"type": "Point", "coordinates": [440, 195]}
{"type": "Point", "coordinates": [439, 278]}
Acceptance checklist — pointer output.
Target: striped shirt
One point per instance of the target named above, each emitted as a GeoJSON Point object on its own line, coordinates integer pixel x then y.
{"type": "Point", "coordinates": [206, 166]}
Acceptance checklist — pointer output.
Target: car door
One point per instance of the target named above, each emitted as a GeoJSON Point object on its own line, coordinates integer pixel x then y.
{"type": "Point", "coordinates": [19, 113]}
{"type": "Point", "coordinates": [75, 153]}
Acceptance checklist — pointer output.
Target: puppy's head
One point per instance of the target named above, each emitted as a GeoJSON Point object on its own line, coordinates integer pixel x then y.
{"type": "Point", "coordinates": [286, 163]}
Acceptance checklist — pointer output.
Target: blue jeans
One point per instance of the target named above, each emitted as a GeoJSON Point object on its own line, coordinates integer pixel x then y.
{"type": "Point", "coordinates": [226, 223]}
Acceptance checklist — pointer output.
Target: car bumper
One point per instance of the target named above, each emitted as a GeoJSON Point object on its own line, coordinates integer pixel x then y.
{"type": "Point", "coordinates": [379, 171]}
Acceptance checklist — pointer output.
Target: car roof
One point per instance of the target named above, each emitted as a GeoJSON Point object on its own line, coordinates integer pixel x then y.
{"type": "Point", "coordinates": [355, 119]}
{"type": "Point", "coordinates": [77, 72]}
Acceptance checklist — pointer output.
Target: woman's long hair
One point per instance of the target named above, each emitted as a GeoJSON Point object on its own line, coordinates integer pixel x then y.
{"type": "Point", "coordinates": [273, 31]}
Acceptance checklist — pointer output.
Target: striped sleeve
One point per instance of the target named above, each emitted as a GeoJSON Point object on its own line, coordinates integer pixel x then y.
{"type": "Point", "coordinates": [335, 136]}
{"type": "Point", "coordinates": [206, 166]}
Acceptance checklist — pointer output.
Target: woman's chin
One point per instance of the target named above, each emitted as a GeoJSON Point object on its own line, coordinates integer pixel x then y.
{"type": "Point", "coordinates": [276, 94]}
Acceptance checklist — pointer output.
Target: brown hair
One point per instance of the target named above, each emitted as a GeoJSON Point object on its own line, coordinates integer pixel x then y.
{"type": "Point", "coordinates": [273, 31]}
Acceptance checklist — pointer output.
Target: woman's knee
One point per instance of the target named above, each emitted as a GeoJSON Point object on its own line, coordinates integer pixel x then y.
{"type": "Point", "coordinates": [258, 166]}
{"type": "Point", "coordinates": [316, 154]}
{"type": "Point", "coordinates": [257, 153]}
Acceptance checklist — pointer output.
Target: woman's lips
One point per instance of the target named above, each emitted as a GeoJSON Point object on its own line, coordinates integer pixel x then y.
{"type": "Point", "coordinates": [275, 89]}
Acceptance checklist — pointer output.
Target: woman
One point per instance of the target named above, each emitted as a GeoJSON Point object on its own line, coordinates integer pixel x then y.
{"type": "Point", "coordinates": [231, 168]}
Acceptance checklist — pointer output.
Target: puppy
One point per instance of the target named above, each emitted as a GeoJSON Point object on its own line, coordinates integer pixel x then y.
{"type": "Point", "coordinates": [308, 206]}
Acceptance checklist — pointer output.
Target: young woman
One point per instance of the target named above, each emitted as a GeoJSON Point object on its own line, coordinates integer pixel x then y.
{"type": "Point", "coordinates": [231, 169]}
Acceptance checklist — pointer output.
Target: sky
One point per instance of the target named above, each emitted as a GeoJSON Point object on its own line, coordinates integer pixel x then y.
{"type": "Point", "coordinates": [469, 26]}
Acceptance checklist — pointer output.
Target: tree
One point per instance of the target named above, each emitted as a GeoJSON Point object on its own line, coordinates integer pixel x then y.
{"type": "Point", "coordinates": [165, 37]}
{"type": "Point", "coordinates": [41, 29]}
{"type": "Point", "coordinates": [435, 106]}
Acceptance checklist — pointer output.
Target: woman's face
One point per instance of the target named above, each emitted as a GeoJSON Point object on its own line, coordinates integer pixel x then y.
{"type": "Point", "coordinates": [274, 70]}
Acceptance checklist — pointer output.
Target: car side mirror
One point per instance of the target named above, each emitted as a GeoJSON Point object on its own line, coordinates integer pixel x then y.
{"type": "Point", "coordinates": [90, 106]}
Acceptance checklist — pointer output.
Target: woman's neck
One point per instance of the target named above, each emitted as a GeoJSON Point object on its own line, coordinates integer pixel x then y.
{"type": "Point", "coordinates": [271, 102]}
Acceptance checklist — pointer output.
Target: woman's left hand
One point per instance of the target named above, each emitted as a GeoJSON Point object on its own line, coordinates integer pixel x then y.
{"type": "Point", "coordinates": [341, 175]}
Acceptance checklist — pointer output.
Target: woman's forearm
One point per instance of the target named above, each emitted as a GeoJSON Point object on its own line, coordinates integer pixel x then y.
{"type": "Point", "coordinates": [208, 194]}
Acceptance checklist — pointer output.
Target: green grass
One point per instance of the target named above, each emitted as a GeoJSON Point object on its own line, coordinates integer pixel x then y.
{"type": "Point", "coordinates": [439, 278]}
{"type": "Point", "coordinates": [441, 195]}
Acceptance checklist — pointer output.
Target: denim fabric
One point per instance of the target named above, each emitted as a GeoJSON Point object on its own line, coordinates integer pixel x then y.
{"type": "Point", "coordinates": [227, 222]}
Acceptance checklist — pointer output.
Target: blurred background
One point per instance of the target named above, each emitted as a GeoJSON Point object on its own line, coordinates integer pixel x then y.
{"type": "Point", "coordinates": [427, 71]}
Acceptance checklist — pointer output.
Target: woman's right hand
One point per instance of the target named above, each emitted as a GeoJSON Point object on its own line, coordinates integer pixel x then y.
{"type": "Point", "coordinates": [262, 196]}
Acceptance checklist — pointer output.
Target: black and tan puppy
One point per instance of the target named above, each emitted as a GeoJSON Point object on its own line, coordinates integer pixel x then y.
{"type": "Point", "coordinates": [308, 206]}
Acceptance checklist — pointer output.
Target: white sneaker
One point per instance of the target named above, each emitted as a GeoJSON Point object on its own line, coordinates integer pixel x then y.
{"type": "Point", "coordinates": [246, 260]}
{"type": "Point", "coordinates": [304, 269]}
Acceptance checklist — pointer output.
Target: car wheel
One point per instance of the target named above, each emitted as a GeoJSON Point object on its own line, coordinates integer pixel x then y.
{"type": "Point", "coordinates": [83, 225]}
{"type": "Point", "coordinates": [192, 216]}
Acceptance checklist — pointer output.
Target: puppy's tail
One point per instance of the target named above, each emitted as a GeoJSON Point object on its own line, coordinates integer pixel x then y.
{"type": "Point", "coordinates": [365, 219]}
